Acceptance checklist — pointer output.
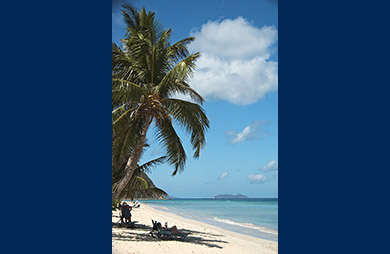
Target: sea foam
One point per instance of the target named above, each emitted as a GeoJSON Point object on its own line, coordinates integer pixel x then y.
{"type": "Point", "coordinates": [247, 225]}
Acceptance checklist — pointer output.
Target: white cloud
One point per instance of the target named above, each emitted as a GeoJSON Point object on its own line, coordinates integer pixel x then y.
{"type": "Point", "coordinates": [271, 170]}
{"type": "Point", "coordinates": [223, 175]}
{"type": "Point", "coordinates": [271, 166]}
{"type": "Point", "coordinates": [259, 178]}
{"type": "Point", "coordinates": [235, 64]}
{"type": "Point", "coordinates": [234, 39]}
{"type": "Point", "coordinates": [250, 132]}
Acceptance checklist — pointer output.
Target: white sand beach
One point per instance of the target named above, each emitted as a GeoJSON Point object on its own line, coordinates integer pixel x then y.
{"type": "Point", "coordinates": [204, 238]}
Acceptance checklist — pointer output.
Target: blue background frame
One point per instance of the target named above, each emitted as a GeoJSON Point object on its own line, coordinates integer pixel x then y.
{"type": "Point", "coordinates": [56, 119]}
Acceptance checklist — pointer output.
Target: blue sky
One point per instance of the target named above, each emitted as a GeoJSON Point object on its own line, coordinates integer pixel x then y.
{"type": "Point", "coordinates": [237, 75]}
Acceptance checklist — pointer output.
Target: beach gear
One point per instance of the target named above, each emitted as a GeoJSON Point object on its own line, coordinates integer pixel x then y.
{"type": "Point", "coordinates": [163, 234]}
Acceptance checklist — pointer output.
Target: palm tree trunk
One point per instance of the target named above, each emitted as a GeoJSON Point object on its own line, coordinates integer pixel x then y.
{"type": "Point", "coordinates": [131, 164]}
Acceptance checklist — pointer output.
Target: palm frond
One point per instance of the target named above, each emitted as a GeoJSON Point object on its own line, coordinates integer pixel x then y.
{"type": "Point", "coordinates": [183, 88]}
{"type": "Point", "coordinates": [131, 18]}
{"type": "Point", "coordinates": [168, 137]}
{"type": "Point", "coordinates": [173, 80]}
{"type": "Point", "coordinates": [124, 91]}
{"type": "Point", "coordinates": [140, 186]}
{"type": "Point", "coordinates": [122, 65]}
{"type": "Point", "coordinates": [179, 49]}
{"type": "Point", "coordinates": [146, 167]}
{"type": "Point", "coordinates": [192, 118]}
{"type": "Point", "coordinates": [125, 137]}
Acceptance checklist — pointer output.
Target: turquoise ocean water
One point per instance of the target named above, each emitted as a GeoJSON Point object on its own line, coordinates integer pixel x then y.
{"type": "Point", "coordinates": [255, 217]}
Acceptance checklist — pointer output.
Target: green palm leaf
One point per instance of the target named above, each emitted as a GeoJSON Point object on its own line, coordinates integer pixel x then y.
{"type": "Point", "coordinates": [168, 137]}
{"type": "Point", "coordinates": [192, 118]}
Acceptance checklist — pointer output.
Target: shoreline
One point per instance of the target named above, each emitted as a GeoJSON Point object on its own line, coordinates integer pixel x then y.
{"type": "Point", "coordinates": [226, 224]}
{"type": "Point", "coordinates": [204, 238]}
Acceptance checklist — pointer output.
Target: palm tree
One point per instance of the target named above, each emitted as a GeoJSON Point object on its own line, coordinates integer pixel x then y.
{"type": "Point", "coordinates": [139, 184]}
{"type": "Point", "coordinates": [146, 74]}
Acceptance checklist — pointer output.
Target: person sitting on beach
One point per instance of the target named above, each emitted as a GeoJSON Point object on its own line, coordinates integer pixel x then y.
{"type": "Point", "coordinates": [173, 229]}
{"type": "Point", "coordinates": [125, 209]}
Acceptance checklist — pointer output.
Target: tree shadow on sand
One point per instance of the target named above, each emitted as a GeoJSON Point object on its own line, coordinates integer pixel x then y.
{"type": "Point", "coordinates": [142, 233]}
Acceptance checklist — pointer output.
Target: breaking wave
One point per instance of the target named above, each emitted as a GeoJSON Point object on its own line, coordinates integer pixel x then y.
{"type": "Point", "coordinates": [247, 225]}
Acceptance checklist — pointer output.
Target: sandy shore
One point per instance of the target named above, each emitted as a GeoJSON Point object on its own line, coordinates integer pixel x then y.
{"type": "Point", "coordinates": [204, 238]}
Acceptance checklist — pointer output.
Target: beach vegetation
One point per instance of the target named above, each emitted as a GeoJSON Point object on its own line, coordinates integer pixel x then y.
{"type": "Point", "coordinates": [140, 185]}
{"type": "Point", "coordinates": [147, 74]}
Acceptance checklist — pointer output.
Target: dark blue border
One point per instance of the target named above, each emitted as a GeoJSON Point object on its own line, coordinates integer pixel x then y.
{"type": "Point", "coordinates": [333, 127]}
{"type": "Point", "coordinates": [56, 119]}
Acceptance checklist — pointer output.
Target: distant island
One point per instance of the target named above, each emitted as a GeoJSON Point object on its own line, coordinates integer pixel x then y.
{"type": "Point", "coordinates": [230, 196]}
